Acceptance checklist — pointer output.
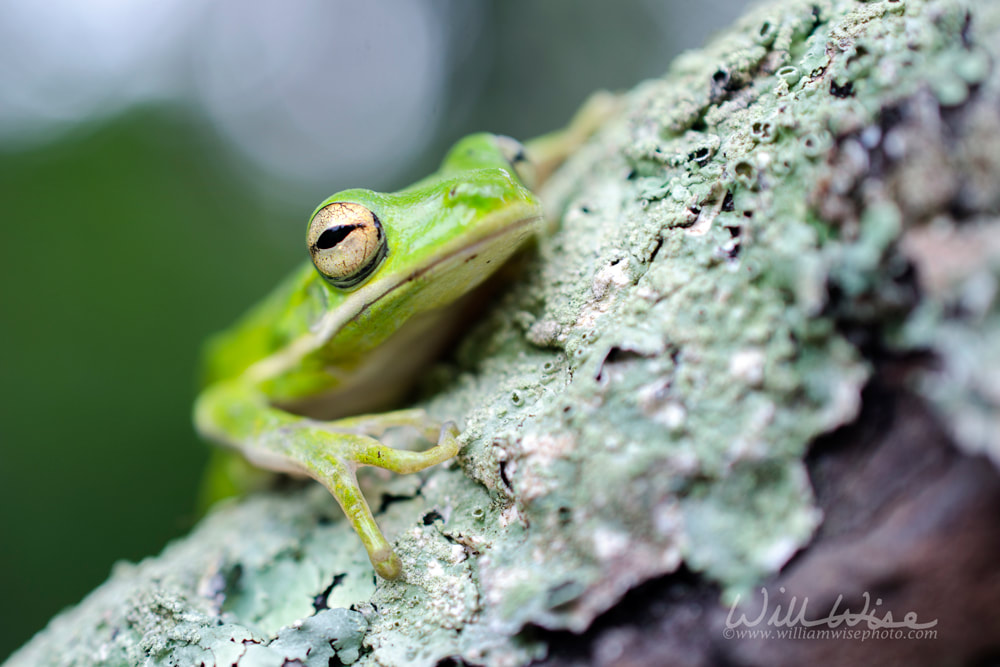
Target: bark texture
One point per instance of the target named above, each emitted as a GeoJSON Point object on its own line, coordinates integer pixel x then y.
{"type": "Point", "coordinates": [759, 357]}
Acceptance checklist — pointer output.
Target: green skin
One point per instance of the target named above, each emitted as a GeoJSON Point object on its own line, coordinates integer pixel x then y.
{"type": "Point", "coordinates": [311, 350]}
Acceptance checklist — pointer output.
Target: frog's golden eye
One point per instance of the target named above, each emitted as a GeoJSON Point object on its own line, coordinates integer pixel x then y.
{"type": "Point", "coordinates": [346, 242]}
{"type": "Point", "coordinates": [519, 160]}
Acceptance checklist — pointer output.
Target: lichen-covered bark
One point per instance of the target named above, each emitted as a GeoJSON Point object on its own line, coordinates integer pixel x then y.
{"type": "Point", "coordinates": [801, 212]}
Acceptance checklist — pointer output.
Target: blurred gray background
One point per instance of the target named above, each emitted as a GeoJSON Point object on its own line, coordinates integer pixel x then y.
{"type": "Point", "coordinates": [158, 162]}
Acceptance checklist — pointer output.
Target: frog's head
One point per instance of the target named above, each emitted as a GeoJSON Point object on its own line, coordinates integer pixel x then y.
{"type": "Point", "coordinates": [427, 245]}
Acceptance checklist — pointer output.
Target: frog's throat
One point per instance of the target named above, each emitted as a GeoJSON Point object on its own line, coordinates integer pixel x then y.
{"type": "Point", "coordinates": [363, 298]}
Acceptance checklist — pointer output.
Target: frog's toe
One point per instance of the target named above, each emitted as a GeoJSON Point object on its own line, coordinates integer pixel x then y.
{"type": "Point", "coordinates": [386, 563]}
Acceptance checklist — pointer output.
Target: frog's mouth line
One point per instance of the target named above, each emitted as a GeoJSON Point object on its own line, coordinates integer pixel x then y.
{"type": "Point", "coordinates": [281, 361]}
{"type": "Point", "coordinates": [471, 250]}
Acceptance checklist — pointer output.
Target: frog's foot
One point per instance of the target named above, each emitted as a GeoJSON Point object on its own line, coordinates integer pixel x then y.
{"type": "Point", "coordinates": [377, 425]}
{"type": "Point", "coordinates": [374, 453]}
{"type": "Point", "coordinates": [334, 466]}
{"type": "Point", "coordinates": [550, 150]}
{"type": "Point", "coordinates": [329, 452]}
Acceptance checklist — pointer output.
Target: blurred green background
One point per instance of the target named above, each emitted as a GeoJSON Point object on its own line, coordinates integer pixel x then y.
{"type": "Point", "coordinates": [157, 166]}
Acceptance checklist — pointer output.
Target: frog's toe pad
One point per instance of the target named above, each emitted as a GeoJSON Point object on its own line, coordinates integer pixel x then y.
{"type": "Point", "coordinates": [386, 563]}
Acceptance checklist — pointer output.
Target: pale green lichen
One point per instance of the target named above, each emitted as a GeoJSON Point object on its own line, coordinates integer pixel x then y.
{"type": "Point", "coordinates": [642, 398]}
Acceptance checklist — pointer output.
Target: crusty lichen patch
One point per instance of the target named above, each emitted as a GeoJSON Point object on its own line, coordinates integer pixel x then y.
{"type": "Point", "coordinates": [818, 182]}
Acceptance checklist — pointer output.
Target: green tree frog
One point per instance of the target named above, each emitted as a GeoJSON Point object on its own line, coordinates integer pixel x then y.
{"type": "Point", "coordinates": [350, 330]}
{"type": "Point", "coordinates": [291, 386]}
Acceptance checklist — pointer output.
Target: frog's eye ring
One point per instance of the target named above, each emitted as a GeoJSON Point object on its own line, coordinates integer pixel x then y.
{"type": "Point", "coordinates": [346, 242]}
{"type": "Point", "coordinates": [517, 157]}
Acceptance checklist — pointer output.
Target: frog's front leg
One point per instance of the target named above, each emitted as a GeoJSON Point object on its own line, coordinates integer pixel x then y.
{"type": "Point", "coordinates": [329, 452]}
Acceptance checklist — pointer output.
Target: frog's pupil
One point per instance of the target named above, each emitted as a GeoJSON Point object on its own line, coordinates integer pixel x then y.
{"type": "Point", "coordinates": [334, 235]}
